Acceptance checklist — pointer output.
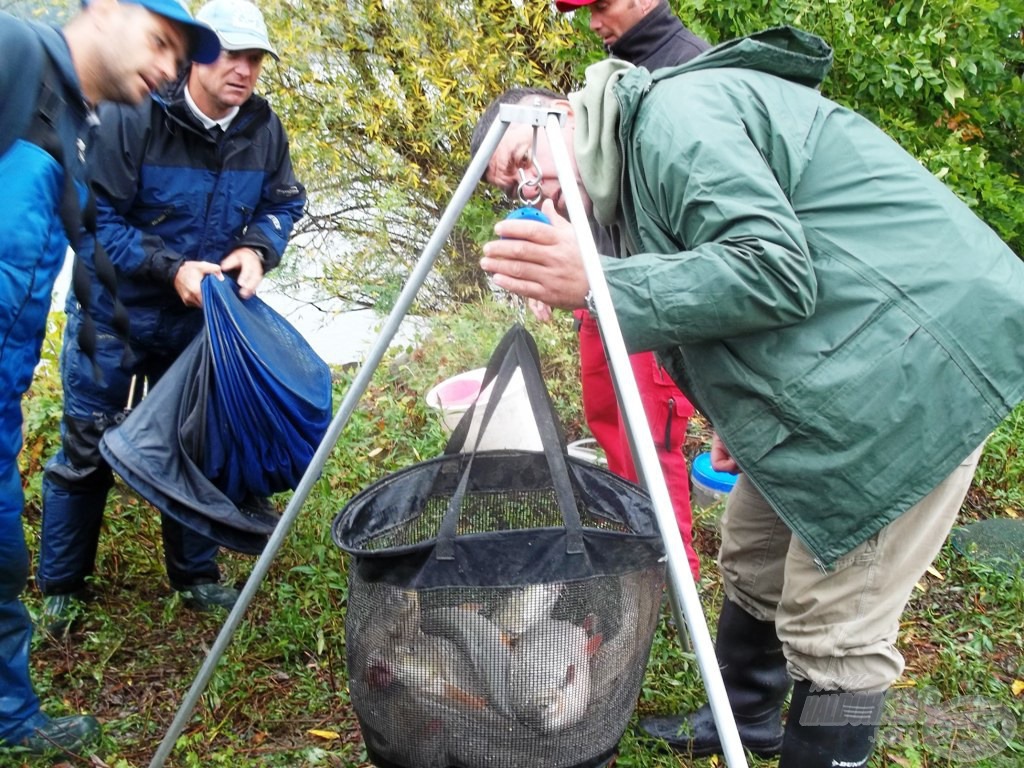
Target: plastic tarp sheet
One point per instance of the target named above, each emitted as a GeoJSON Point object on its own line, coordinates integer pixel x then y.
{"type": "Point", "coordinates": [239, 415]}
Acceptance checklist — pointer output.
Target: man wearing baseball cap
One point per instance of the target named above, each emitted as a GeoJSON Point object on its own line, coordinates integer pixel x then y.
{"type": "Point", "coordinates": [196, 182]}
{"type": "Point", "coordinates": [647, 34]}
{"type": "Point", "coordinates": [643, 32]}
{"type": "Point", "coordinates": [50, 80]}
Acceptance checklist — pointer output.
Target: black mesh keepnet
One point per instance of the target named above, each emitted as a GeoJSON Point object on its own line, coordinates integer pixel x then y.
{"type": "Point", "coordinates": [501, 604]}
{"type": "Point", "coordinates": [509, 528]}
{"type": "Point", "coordinates": [539, 676]}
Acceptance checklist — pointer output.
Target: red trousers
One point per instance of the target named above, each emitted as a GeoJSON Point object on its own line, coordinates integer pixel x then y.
{"type": "Point", "coordinates": [667, 411]}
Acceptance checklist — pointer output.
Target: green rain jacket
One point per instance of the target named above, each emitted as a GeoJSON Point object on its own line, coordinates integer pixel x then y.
{"type": "Point", "coordinates": [851, 329]}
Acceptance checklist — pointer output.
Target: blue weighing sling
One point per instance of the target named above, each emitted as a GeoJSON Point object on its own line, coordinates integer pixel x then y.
{"type": "Point", "coordinates": [239, 414]}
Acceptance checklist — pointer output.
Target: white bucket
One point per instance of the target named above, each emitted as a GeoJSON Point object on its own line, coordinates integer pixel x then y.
{"type": "Point", "coordinates": [512, 426]}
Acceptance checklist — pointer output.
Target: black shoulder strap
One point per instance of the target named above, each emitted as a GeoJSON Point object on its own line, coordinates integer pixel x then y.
{"type": "Point", "coordinates": [43, 131]}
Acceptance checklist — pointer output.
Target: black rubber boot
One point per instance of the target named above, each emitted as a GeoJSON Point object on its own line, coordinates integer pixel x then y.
{"type": "Point", "coordinates": [62, 734]}
{"type": "Point", "coordinates": [829, 728]}
{"type": "Point", "coordinates": [208, 597]}
{"type": "Point", "coordinates": [60, 612]}
{"type": "Point", "coordinates": [754, 672]}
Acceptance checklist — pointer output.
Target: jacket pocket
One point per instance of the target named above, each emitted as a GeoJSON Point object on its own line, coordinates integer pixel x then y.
{"type": "Point", "coordinates": [147, 216]}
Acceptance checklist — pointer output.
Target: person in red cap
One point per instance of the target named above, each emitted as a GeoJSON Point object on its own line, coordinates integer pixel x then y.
{"type": "Point", "coordinates": [645, 33]}
{"type": "Point", "coordinates": [50, 81]}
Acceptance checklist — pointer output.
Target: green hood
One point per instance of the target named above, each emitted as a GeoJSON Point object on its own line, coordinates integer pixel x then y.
{"type": "Point", "coordinates": [785, 52]}
{"type": "Point", "coordinates": [596, 137]}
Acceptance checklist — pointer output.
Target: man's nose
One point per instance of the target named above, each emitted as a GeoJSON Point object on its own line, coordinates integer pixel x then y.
{"type": "Point", "coordinates": [168, 65]}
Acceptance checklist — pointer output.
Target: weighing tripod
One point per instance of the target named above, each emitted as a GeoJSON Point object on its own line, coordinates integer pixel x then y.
{"type": "Point", "coordinates": [685, 598]}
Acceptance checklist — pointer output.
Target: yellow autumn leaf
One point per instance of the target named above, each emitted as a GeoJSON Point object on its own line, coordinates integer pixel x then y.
{"type": "Point", "coordinates": [1017, 687]}
{"type": "Point", "coordinates": [325, 735]}
{"type": "Point", "coordinates": [1011, 512]}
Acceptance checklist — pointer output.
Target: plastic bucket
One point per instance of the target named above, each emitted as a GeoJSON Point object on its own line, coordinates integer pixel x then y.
{"type": "Point", "coordinates": [513, 425]}
{"type": "Point", "coordinates": [708, 486]}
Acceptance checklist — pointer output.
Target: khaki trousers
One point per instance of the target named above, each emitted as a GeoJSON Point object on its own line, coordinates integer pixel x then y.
{"type": "Point", "coordinates": [838, 628]}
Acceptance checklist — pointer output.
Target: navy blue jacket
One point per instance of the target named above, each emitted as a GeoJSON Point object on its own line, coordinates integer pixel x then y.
{"type": "Point", "coordinates": [167, 191]}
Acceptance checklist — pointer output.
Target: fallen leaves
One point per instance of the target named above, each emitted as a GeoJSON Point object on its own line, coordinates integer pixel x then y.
{"type": "Point", "coordinates": [325, 735]}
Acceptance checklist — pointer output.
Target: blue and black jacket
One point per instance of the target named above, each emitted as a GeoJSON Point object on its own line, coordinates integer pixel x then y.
{"type": "Point", "coordinates": [169, 191]}
{"type": "Point", "coordinates": [33, 241]}
{"type": "Point", "coordinates": [42, 118]}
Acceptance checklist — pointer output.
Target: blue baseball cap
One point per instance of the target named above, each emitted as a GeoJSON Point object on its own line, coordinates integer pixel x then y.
{"type": "Point", "coordinates": [203, 43]}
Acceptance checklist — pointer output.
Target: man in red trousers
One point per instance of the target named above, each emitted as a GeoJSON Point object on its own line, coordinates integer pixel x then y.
{"type": "Point", "coordinates": [645, 33]}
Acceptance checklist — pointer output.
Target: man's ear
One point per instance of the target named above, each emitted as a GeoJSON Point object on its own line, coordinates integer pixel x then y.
{"type": "Point", "coordinates": [101, 9]}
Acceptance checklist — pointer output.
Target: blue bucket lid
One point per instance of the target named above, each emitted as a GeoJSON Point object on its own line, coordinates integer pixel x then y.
{"type": "Point", "coordinates": [710, 478]}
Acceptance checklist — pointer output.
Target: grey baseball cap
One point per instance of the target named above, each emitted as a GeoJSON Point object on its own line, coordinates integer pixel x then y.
{"type": "Point", "coordinates": [239, 24]}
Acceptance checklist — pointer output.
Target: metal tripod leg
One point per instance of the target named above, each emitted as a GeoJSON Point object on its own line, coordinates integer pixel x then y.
{"type": "Point", "coordinates": [348, 405]}
{"type": "Point", "coordinates": [462, 194]}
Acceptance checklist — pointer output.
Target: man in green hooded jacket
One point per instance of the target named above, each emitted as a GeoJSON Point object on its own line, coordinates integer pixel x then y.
{"type": "Point", "coordinates": [850, 327]}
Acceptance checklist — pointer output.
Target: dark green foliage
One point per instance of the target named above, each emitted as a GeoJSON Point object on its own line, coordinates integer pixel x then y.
{"type": "Point", "coordinates": [943, 79]}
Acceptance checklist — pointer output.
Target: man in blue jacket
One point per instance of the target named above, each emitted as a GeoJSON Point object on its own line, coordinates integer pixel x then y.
{"type": "Point", "coordinates": [196, 182]}
{"type": "Point", "coordinates": [50, 80]}
{"type": "Point", "coordinates": [849, 326]}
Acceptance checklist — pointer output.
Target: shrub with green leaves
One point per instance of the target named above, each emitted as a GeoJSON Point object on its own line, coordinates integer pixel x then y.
{"type": "Point", "coordinates": [942, 78]}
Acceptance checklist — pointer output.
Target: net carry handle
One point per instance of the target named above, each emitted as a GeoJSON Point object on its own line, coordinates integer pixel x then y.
{"type": "Point", "coordinates": [517, 349]}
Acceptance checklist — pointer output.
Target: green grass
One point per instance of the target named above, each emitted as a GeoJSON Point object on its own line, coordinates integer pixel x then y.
{"type": "Point", "coordinates": [279, 695]}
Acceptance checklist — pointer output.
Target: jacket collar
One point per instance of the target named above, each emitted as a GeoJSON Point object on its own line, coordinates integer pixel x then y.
{"type": "Point", "coordinates": [172, 100]}
{"type": "Point", "coordinates": [606, 106]}
{"type": "Point", "coordinates": [56, 48]}
{"type": "Point", "coordinates": [595, 138]}
{"type": "Point", "coordinates": [644, 38]}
